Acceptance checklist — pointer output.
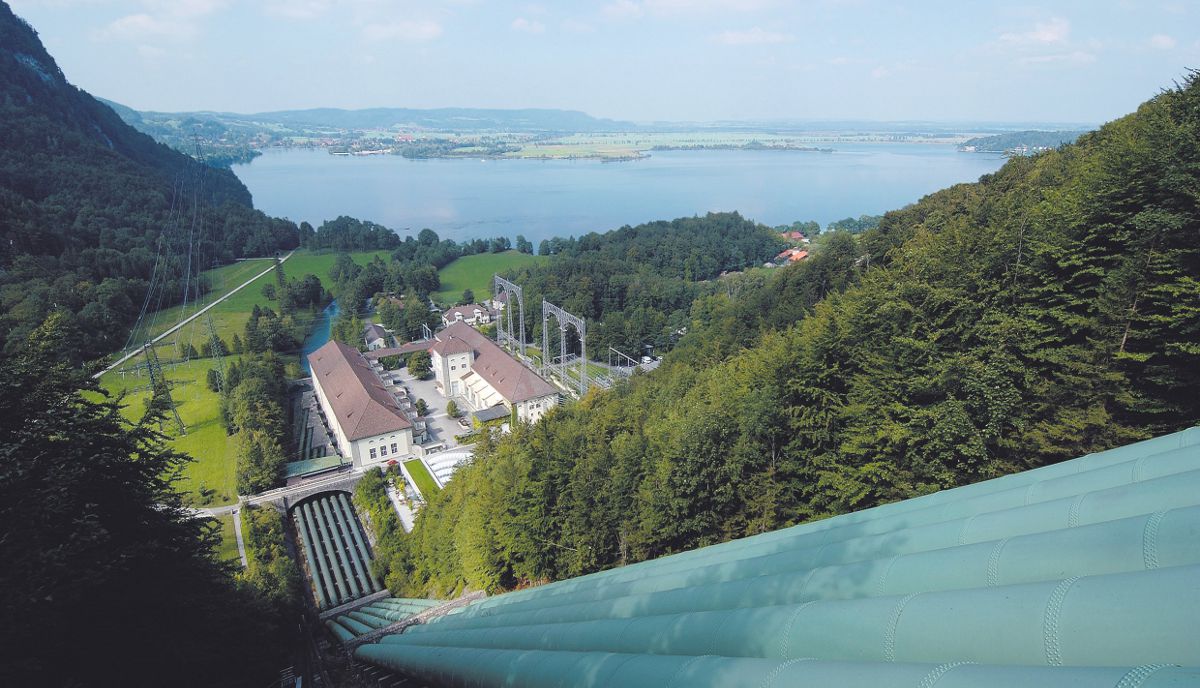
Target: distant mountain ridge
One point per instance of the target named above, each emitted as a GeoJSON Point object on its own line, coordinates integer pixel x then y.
{"type": "Point", "coordinates": [464, 119]}
{"type": "Point", "coordinates": [528, 120]}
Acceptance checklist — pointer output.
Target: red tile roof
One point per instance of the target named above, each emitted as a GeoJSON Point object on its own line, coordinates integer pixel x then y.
{"type": "Point", "coordinates": [362, 405]}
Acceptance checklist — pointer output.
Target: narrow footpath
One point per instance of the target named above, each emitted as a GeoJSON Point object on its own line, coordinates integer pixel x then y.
{"type": "Point", "coordinates": [237, 530]}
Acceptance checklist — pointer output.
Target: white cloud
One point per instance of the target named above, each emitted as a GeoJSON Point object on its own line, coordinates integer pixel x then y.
{"type": "Point", "coordinates": [408, 31]}
{"type": "Point", "coordinates": [622, 9]}
{"type": "Point", "coordinates": [632, 9]}
{"type": "Point", "coordinates": [526, 26]}
{"type": "Point", "coordinates": [297, 9]}
{"type": "Point", "coordinates": [1074, 57]}
{"type": "Point", "coordinates": [1054, 31]}
{"type": "Point", "coordinates": [694, 6]}
{"type": "Point", "coordinates": [1162, 41]}
{"type": "Point", "coordinates": [753, 36]}
{"type": "Point", "coordinates": [185, 8]}
{"type": "Point", "coordinates": [163, 20]}
{"type": "Point", "coordinates": [142, 26]}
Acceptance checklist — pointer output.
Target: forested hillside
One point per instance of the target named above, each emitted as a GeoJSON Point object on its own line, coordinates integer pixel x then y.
{"type": "Point", "coordinates": [87, 202]}
{"type": "Point", "coordinates": [635, 285]}
{"type": "Point", "coordinates": [1050, 310]}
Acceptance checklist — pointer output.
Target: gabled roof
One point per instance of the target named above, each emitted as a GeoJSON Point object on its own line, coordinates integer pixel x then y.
{"type": "Point", "coordinates": [450, 345]}
{"type": "Point", "coordinates": [375, 331]}
{"type": "Point", "coordinates": [361, 404]}
{"type": "Point", "coordinates": [504, 373]}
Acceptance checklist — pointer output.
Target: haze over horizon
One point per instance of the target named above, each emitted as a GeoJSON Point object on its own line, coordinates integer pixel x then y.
{"type": "Point", "coordinates": [638, 60]}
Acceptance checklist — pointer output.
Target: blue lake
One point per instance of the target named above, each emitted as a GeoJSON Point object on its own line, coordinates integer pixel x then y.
{"type": "Point", "coordinates": [464, 198]}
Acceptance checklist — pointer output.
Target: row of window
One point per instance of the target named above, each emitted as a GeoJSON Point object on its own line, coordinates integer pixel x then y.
{"type": "Point", "coordinates": [383, 450]}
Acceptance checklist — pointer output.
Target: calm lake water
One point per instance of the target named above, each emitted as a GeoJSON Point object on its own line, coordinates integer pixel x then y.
{"type": "Point", "coordinates": [464, 199]}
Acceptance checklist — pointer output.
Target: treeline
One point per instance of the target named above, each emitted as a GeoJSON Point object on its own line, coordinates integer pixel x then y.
{"type": "Point", "coordinates": [254, 411]}
{"type": "Point", "coordinates": [635, 285]}
{"type": "Point", "coordinates": [90, 208]}
{"type": "Point", "coordinates": [1048, 311]}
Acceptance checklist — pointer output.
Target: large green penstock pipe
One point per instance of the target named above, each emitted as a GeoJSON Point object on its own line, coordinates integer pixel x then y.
{"type": "Point", "coordinates": [342, 633]}
{"type": "Point", "coordinates": [360, 546]}
{"type": "Point", "coordinates": [1135, 468]}
{"type": "Point", "coordinates": [470, 668]}
{"type": "Point", "coordinates": [1129, 501]}
{"type": "Point", "coordinates": [347, 527]}
{"type": "Point", "coordinates": [339, 546]}
{"type": "Point", "coordinates": [1173, 537]}
{"type": "Point", "coordinates": [355, 626]}
{"type": "Point", "coordinates": [306, 542]}
{"type": "Point", "coordinates": [325, 545]}
{"type": "Point", "coordinates": [1123, 619]}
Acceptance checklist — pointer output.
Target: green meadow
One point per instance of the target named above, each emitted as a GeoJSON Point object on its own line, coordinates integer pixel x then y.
{"type": "Point", "coordinates": [475, 273]}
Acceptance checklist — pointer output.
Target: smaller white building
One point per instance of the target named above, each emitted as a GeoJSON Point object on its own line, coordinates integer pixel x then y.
{"type": "Point", "coordinates": [471, 314]}
{"type": "Point", "coordinates": [368, 424]}
{"type": "Point", "coordinates": [469, 365]}
{"type": "Point", "coordinates": [375, 337]}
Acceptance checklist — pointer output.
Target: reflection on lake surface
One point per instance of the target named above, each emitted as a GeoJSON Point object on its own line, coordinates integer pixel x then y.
{"type": "Point", "coordinates": [467, 198]}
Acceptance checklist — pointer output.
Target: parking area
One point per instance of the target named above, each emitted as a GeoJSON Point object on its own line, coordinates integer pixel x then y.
{"type": "Point", "coordinates": [440, 427]}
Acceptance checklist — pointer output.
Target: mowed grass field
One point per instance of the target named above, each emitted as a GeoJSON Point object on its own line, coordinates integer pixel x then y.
{"type": "Point", "coordinates": [214, 467]}
{"type": "Point", "coordinates": [426, 485]}
{"type": "Point", "coordinates": [200, 409]}
{"type": "Point", "coordinates": [475, 273]}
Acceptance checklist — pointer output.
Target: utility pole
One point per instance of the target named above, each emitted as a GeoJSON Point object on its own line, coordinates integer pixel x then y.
{"type": "Point", "coordinates": [159, 385]}
{"type": "Point", "coordinates": [215, 343]}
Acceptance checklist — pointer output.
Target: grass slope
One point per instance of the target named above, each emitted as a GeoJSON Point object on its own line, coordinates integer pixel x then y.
{"type": "Point", "coordinates": [475, 273]}
{"type": "Point", "coordinates": [214, 452]}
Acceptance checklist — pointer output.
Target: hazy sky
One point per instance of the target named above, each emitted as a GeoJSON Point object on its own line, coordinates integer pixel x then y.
{"type": "Point", "coordinates": [1086, 61]}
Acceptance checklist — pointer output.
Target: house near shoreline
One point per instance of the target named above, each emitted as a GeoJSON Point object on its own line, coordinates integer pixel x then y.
{"type": "Point", "coordinates": [467, 364]}
{"type": "Point", "coordinates": [367, 422]}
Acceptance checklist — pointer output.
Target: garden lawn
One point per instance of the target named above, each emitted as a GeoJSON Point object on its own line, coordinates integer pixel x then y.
{"type": "Point", "coordinates": [426, 485]}
{"type": "Point", "coordinates": [476, 272]}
